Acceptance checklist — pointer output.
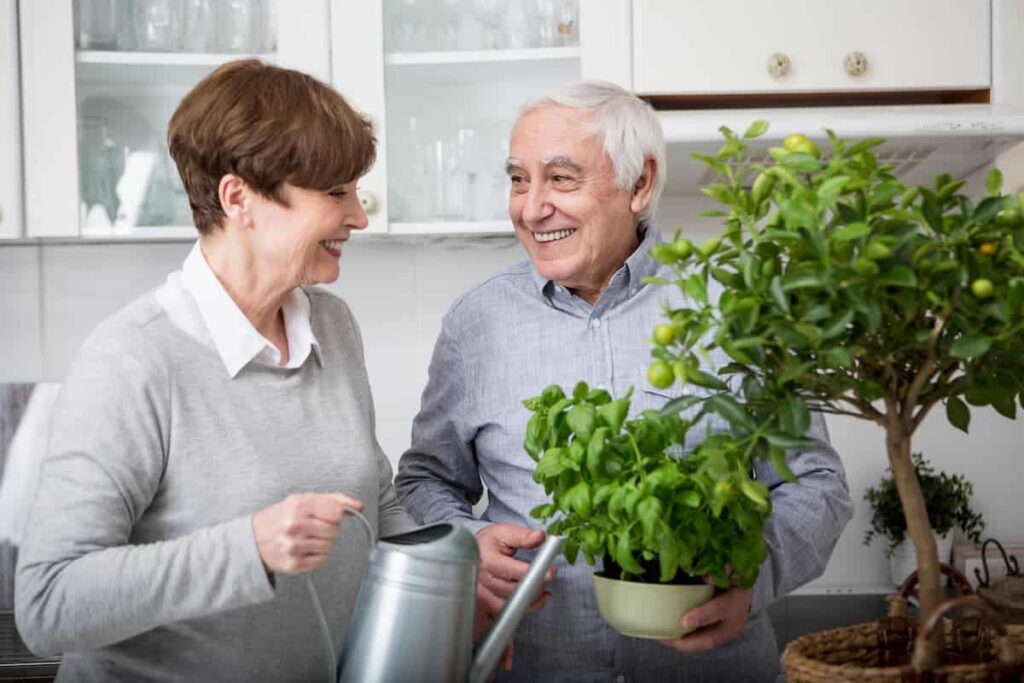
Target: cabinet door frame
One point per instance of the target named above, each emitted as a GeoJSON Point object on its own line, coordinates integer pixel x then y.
{"type": "Point", "coordinates": [50, 129]}
{"type": "Point", "coordinates": [10, 124]}
{"type": "Point", "coordinates": [49, 103]}
{"type": "Point", "coordinates": [357, 72]}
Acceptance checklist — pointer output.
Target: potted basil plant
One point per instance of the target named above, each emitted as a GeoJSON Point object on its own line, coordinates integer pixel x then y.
{"type": "Point", "coordinates": [664, 529]}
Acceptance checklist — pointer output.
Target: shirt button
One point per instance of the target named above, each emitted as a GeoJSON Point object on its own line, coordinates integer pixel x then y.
{"type": "Point", "coordinates": [597, 323]}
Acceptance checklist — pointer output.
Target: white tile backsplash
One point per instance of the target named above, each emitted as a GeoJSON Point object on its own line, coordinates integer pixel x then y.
{"type": "Point", "coordinates": [85, 283]}
{"type": "Point", "coordinates": [21, 333]}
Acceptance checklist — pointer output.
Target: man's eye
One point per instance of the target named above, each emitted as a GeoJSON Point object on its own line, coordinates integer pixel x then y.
{"type": "Point", "coordinates": [562, 178]}
{"type": "Point", "coordinates": [338, 194]}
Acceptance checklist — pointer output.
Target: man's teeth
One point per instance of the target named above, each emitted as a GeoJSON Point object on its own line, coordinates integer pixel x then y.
{"type": "Point", "coordinates": [552, 236]}
{"type": "Point", "coordinates": [333, 244]}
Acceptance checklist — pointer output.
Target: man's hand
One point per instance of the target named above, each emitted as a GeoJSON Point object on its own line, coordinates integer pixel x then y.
{"type": "Point", "coordinates": [500, 574]}
{"type": "Point", "coordinates": [717, 621]}
{"type": "Point", "coordinates": [296, 534]}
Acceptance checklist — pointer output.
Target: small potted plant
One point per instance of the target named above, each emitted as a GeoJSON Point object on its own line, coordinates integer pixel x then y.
{"type": "Point", "coordinates": [661, 523]}
{"type": "Point", "coordinates": [947, 499]}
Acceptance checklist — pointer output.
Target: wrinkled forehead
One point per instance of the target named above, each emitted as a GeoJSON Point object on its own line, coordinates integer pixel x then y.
{"type": "Point", "coordinates": [556, 136]}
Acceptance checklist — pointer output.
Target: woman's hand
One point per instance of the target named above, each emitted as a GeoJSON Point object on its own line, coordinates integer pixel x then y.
{"type": "Point", "coordinates": [297, 534]}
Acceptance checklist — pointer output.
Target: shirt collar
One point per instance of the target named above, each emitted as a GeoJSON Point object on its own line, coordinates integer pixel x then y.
{"type": "Point", "coordinates": [233, 336]}
{"type": "Point", "coordinates": [631, 274]}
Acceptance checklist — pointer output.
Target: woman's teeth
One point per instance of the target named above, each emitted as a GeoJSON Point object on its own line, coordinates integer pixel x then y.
{"type": "Point", "coordinates": [552, 236]}
{"type": "Point", "coordinates": [333, 244]}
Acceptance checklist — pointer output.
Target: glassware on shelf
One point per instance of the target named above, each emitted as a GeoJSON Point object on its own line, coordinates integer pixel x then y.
{"type": "Point", "coordinates": [100, 167]}
{"type": "Point", "coordinates": [199, 26]}
{"type": "Point", "coordinates": [241, 25]}
{"type": "Point", "coordinates": [517, 25]}
{"type": "Point", "coordinates": [96, 24]}
{"type": "Point", "coordinates": [158, 25]}
{"type": "Point", "coordinates": [568, 23]}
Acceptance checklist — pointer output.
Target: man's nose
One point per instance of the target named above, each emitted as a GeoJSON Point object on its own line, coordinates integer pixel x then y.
{"type": "Point", "coordinates": [537, 206]}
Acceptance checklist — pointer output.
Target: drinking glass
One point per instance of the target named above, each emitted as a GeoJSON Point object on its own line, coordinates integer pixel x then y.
{"type": "Point", "coordinates": [199, 34]}
{"type": "Point", "coordinates": [568, 23]}
{"type": "Point", "coordinates": [157, 25]}
{"type": "Point", "coordinates": [96, 24]}
{"type": "Point", "coordinates": [240, 25]}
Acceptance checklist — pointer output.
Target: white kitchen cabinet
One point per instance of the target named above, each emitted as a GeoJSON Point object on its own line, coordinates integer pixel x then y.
{"type": "Point", "coordinates": [10, 133]}
{"type": "Point", "coordinates": [100, 79]}
{"type": "Point", "coordinates": [442, 81]}
{"type": "Point", "coordinates": [690, 47]}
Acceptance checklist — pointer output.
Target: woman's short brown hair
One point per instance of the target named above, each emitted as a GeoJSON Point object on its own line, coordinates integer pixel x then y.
{"type": "Point", "coordinates": [267, 125]}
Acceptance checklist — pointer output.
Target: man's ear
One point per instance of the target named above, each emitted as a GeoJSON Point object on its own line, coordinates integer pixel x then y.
{"type": "Point", "coordinates": [235, 200]}
{"type": "Point", "coordinates": [643, 190]}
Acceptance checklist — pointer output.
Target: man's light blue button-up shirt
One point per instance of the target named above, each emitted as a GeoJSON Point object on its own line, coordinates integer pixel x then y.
{"type": "Point", "coordinates": [506, 340]}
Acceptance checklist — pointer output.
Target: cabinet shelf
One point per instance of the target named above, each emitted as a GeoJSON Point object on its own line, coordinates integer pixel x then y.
{"type": "Point", "coordinates": [130, 58]}
{"type": "Point", "coordinates": [121, 68]}
{"type": "Point", "coordinates": [475, 56]}
{"type": "Point", "coordinates": [473, 66]}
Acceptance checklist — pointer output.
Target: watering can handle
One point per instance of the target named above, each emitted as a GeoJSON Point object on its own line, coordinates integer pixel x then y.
{"type": "Point", "coordinates": [325, 629]}
{"type": "Point", "coordinates": [366, 524]}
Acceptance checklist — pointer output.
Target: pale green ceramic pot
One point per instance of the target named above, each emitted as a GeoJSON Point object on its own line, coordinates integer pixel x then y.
{"type": "Point", "coordinates": [648, 610]}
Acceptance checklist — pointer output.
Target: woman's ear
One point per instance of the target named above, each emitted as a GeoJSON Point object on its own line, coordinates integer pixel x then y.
{"type": "Point", "coordinates": [235, 200]}
{"type": "Point", "coordinates": [643, 190]}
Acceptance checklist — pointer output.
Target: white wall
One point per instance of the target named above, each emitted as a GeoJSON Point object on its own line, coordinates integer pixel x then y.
{"type": "Point", "coordinates": [52, 295]}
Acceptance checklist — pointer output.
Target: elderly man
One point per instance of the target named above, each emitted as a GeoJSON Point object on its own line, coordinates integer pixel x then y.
{"type": "Point", "coordinates": [586, 168]}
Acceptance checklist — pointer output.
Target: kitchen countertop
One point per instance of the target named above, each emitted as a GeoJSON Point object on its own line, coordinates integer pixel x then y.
{"type": "Point", "coordinates": [16, 662]}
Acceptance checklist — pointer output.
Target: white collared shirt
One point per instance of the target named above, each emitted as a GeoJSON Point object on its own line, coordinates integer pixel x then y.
{"type": "Point", "coordinates": [197, 302]}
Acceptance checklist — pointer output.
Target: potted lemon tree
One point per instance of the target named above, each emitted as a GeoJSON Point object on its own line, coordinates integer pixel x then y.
{"type": "Point", "coordinates": [846, 291]}
{"type": "Point", "coordinates": [661, 524]}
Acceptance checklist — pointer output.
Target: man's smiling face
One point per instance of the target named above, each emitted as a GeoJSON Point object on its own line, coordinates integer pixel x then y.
{"type": "Point", "coordinates": [577, 227]}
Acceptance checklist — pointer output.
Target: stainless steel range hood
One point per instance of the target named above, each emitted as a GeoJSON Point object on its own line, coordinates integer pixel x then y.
{"type": "Point", "coordinates": [921, 140]}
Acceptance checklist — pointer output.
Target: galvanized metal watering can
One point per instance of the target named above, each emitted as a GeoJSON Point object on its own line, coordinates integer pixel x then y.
{"type": "Point", "coordinates": [413, 619]}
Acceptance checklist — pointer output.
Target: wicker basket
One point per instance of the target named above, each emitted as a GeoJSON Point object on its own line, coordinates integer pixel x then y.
{"type": "Point", "coordinates": [1005, 595]}
{"type": "Point", "coordinates": [980, 647]}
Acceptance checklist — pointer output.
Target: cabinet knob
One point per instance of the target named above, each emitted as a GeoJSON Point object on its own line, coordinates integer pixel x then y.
{"type": "Point", "coordinates": [778, 64]}
{"type": "Point", "coordinates": [368, 201]}
{"type": "Point", "coordinates": [855, 63]}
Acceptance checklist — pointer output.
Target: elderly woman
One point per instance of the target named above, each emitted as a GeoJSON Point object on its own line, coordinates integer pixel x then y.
{"type": "Point", "coordinates": [210, 434]}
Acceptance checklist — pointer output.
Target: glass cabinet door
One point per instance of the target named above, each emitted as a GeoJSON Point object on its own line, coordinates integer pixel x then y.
{"type": "Point", "coordinates": [455, 73]}
{"type": "Point", "coordinates": [10, 124]}
{"type": "Point", "coordinates": [133, 60]}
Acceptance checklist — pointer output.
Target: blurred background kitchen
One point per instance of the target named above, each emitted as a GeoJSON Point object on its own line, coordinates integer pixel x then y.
{"type": "Point", "coordinates": [92, 213]}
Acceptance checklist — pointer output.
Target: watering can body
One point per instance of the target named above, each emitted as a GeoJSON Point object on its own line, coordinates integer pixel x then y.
{"type": "Point", "coordinates": [413, 619]}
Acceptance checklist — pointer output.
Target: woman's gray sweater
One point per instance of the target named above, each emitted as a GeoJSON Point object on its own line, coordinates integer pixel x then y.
{"type": "Point", "coordinates": [139, 560]}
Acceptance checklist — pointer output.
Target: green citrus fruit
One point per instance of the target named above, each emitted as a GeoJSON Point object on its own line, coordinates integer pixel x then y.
{"type": "Point", "coordinates": [682, 248]}
{"type": "Point", "coordinates": [798, 142]}
{"type": "Point", "coordinates": [982, 288]}
{"type": "Point", "coordinates": [660, 374]}
{"type": "Point", "coordinates": [664, 334]}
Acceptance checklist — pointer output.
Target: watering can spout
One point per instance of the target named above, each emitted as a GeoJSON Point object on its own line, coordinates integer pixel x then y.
{"type": "Point", "coordinates": [493, 644]}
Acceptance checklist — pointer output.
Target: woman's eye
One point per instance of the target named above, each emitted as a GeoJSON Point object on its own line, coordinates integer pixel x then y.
{"type": "Point", "coordinates": [338, 194]}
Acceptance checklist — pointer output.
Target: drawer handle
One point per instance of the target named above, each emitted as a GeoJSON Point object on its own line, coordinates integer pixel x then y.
{"type": "Point", "coordinates": [368, 200]}
{"type": "Point", "coordinates": [779, 64]}
{"type": "Point", "coordinates": [855, 63]}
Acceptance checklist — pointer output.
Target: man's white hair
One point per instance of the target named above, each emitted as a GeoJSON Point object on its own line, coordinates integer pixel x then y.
{"type": "Point", "coordinates": [627, 127]}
